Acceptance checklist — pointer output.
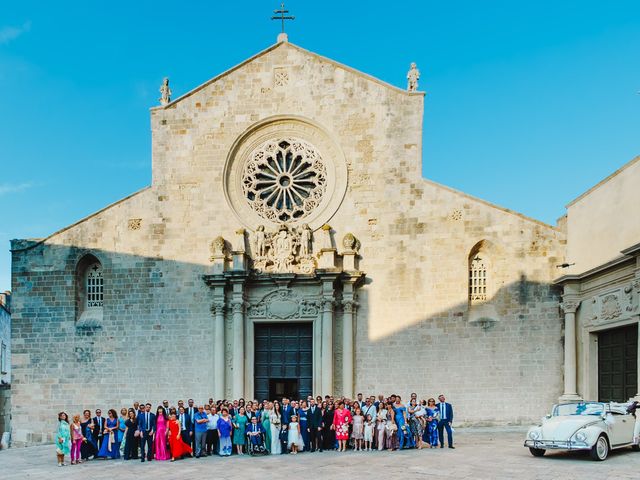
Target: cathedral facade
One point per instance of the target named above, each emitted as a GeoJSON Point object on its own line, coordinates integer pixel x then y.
{"type": "Point", "coordinates": [288, 245]}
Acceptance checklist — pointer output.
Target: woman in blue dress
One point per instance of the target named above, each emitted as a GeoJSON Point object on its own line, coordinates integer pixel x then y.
{"type": "Point", "coordinates": [110, 447]}
{"type": "Point", "coordinates": [224, 432]}
{"type": "Point", "coordinates": [432, 423]}
{"type": "Point", "coordinates": [304, 409]}
{"type": "Point", "coordinates": [401, 421]}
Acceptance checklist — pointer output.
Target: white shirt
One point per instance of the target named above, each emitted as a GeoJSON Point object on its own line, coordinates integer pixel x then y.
{"type": "Point", "coordinates": [212, 424]}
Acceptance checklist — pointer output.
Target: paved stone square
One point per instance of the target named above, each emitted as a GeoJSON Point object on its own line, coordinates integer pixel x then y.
{"type": "Point", "coordinates": [491, 453]}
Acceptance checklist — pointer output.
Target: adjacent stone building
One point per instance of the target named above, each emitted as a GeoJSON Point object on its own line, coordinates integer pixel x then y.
{"type": "Point", "coordinates": [289, 245]}
{"type": "Point", "coordinates": [5, 368]}
{"type": "Point", "coordinates": [601, 299]}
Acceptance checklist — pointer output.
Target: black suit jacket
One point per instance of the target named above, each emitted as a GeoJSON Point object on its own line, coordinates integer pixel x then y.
{"type": "Point", "coordinates": [314, 419]}
{"type": "Point", "coordinates": [188, 425]}
{"type": "Point", "coordinates": [98, 428]}
{"type": "Point", "coordinates": [327, 418]}
{"type": "Point", "coordinates": [192, 424]}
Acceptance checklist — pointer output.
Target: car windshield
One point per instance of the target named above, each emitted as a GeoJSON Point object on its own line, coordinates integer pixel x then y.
{"type": "Point", "coordinates": [582, 408]}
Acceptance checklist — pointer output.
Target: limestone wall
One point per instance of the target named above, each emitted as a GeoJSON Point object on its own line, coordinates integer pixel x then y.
{"type": "Point", "coordinates": [602, 221]}
{"type": "Point", "coordinates": [412, 331]}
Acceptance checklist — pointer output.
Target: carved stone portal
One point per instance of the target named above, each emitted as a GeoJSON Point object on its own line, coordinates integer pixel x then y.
{"type": "Point", "coordinates": [287, 250]}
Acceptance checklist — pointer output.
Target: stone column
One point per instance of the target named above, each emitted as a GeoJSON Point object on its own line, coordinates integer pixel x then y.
{"type": "Point", "coordinates": [569, 306]}
{"type": "Point", "coordinates": [218, 349]}
{"type": "Point", "coordinates": [348, 321]}
{"type": "Point", "coordinates": [327, 346]}
{"type": "Point", "coordinates": [636, 309]}
{"type": "Point", "coordinates": [237, 384]}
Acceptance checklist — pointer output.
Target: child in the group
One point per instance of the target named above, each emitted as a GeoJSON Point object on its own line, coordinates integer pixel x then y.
{"type": "Point", "coordinates": [294, 440]}
{"type": "Point", "coordinates": [358, 429]}
{"type": "Point", "coordinates": [368, 433]}
{"type": "Point", "coordinates": [76, 440]}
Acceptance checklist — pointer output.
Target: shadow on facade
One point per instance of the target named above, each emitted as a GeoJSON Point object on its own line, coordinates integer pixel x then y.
{"type": "Point", "coordinates": [154, 338]}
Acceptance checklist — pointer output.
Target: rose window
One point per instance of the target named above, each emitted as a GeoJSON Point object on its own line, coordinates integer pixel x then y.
{"type": "Point", "coordinates": [284, 180]}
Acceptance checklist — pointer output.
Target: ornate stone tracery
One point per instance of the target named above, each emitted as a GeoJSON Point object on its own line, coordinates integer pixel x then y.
{"type": "Point", "coordinates": [284, 179]}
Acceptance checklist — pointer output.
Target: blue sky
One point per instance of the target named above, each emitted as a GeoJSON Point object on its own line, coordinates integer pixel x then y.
{"type": "Point", "coordinates": [528, 103]}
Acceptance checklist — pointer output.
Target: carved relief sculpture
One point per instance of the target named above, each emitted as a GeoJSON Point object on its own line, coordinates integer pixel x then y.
{"type": "Point", "coordinates": [286, 251]}
{"type": "Point", "coordinates": [218, 247]}
{"type": "Point", "coordinates": [610, 308]}
{"type": "Point", "coordinates": [412, 78]}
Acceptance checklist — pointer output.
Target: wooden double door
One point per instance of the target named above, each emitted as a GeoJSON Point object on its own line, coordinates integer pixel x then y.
{"type": "Point", "coordinates": [283, 360]}
{"type": "Point", "coordinates": [618, 364]}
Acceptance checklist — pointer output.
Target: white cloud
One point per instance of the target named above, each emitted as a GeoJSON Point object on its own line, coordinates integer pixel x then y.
{"type": "Point", "coordinates": [9, 33]}
{"type": "Point", "coordinates": [7, 188]}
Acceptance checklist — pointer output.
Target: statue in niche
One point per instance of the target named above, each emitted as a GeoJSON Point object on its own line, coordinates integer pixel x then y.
{"type": "Point", "coordinates": [305, 241]}
{"type": "Point", "coordinates": [259, 245]}
{"type": "Point", "coordinates": [165, 92]}
{"type": "Point", "coordinates": [283, 250]}
{"type": "Point", "coordinates": [412, 78]}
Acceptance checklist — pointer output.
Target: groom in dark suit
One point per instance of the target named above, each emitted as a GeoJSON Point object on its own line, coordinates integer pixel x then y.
{"type": "Point", "coordinates": [147, 429]}
{"type": "Point", "coordinates": [98, 429]}
{"type": "Point", "coordinates": [445, 417]}
{"type": "Point", "coordinates": [314, 425]}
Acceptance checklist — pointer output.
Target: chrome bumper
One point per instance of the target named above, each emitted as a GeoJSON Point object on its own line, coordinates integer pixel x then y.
{"type": "Point", "coordinates": [556, 445]}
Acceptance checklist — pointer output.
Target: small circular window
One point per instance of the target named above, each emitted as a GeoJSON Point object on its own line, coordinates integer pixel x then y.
{"type": "Point", "coordinates": [284, 179]}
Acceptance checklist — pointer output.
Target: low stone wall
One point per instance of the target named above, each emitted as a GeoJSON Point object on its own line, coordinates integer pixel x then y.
{"type": "Point", "coordinates": [5, 415]}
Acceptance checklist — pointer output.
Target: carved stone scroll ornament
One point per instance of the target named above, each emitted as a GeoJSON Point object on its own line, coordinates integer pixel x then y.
{"type": "Point", "coordinates": [284, 304]}
{"type": "Point", "coordinates": [287, 250]}
{"type": "Point", "coordinates": [628, 291]}
{"type": "Point", "coordinates": [610, 308]}
{"type": "Point", "coordinates": [218, 247]}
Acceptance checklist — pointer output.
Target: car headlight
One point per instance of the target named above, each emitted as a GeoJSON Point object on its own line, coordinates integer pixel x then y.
{"type": "Point", "coordinates": [534, 434]}
{"type": "Point", "coordinates": [581, 436]}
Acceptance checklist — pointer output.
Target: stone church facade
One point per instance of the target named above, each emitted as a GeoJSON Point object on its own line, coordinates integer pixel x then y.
{"type": "Point", "coordinates": [289, 244]}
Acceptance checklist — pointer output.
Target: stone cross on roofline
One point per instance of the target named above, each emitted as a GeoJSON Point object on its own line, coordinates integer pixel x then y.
{"type": "Point", "coordinates": [281, 15]}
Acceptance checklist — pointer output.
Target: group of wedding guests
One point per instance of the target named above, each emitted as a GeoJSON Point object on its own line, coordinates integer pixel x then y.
{"type": "Point", "coordinates": [287, 426]}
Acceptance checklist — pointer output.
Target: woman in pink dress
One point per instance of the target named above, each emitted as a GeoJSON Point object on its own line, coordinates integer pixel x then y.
{"type": "Point", "coordinates": [160, 441]}
{"type": "Point", "coordinates": [341, 421]}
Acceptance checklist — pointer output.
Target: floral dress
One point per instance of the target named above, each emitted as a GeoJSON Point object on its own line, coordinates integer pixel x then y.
{"type": "Point", "coordinates": [341, 421]}
{"type": "Point", "coordinates": [432, 426]}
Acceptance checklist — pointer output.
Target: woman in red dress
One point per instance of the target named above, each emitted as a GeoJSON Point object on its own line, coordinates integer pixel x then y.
{"type": "Point", "coordinates": [341, 421]}
{"type": "Point", "coordinates": [178, 447]}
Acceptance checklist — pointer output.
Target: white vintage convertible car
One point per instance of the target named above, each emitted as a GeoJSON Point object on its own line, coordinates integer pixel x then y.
{"type": "Point", "coordinates": [594, 426]}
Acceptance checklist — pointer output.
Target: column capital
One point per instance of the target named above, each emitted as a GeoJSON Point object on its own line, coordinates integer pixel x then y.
{"type": "Point", "coordinates": [350, 306]}
{"type": "Point", "coordinates": [217, 306]}
{"type": "Point", "coordinates": [328, 304]}
{"type": "Point", "coordinates": [569, 304]}
{"type": "Point", "coordinates": [238, 306]}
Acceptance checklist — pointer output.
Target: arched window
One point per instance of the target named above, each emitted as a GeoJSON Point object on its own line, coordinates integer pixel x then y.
{"type": "Point", "coordinates": [479, 273]}
{"type": "Point", "coordinates": [89, 292]}
{"type": "Point", "coordinates": [94, 286]}
{"type": "Point", "coordinates": [477, 279]}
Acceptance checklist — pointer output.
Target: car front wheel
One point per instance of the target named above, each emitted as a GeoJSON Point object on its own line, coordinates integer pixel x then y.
{"type": "Point", "coordinates": [600, 451]}
{"type": "Point", "coordinates": [537, 452]}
